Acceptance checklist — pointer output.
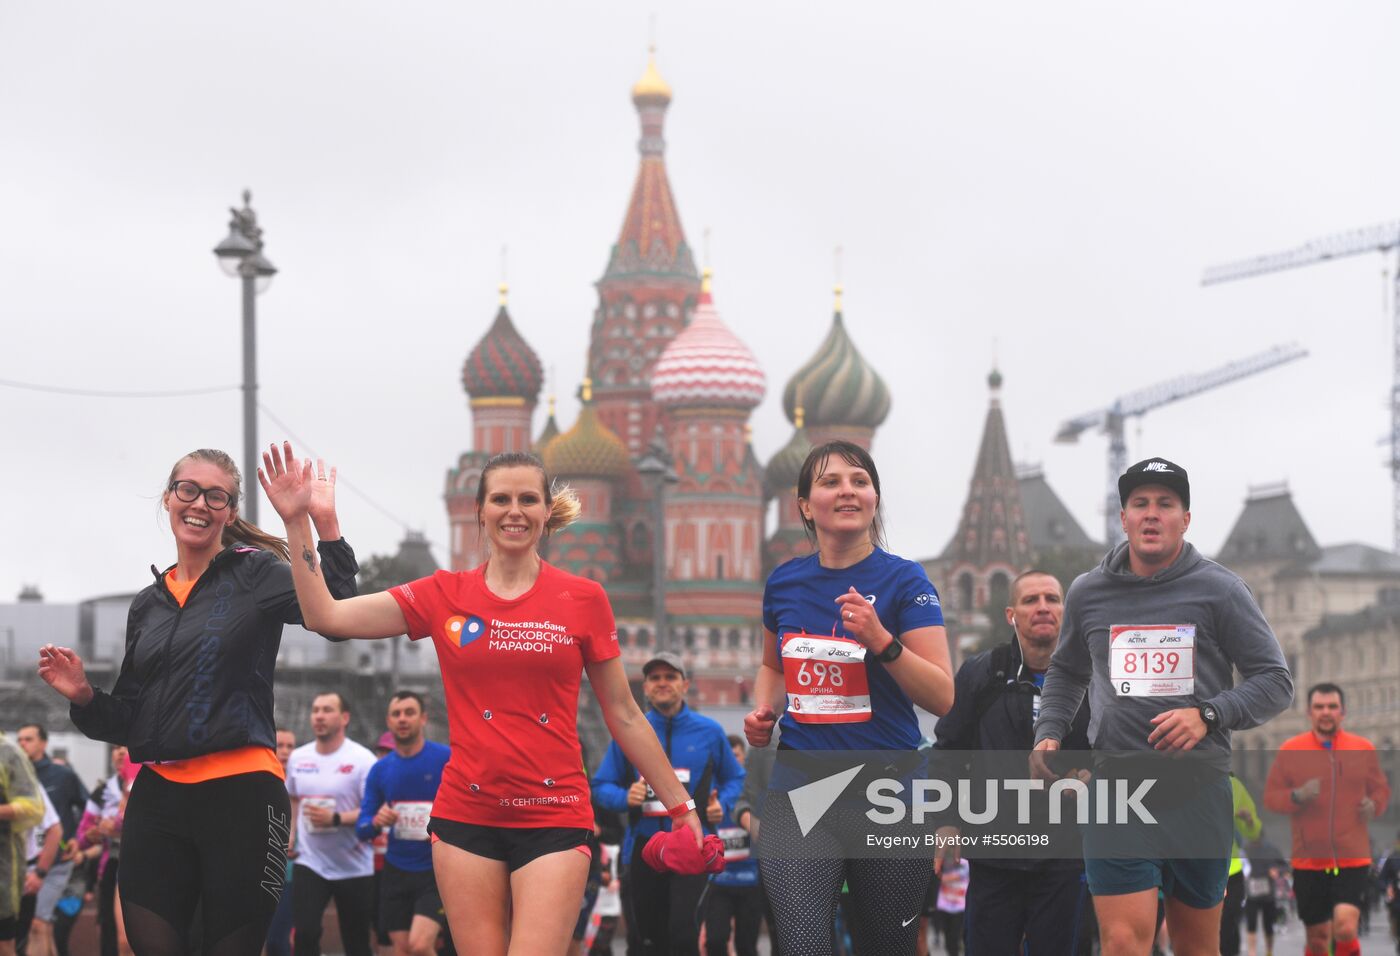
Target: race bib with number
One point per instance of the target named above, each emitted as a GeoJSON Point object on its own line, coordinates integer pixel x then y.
{"type": "Point", "coordinates": [325, 803]}
{"type": "Point", "coordinates": [1153, 660]}
{"type": "Point", "coordinates": [412, 823]}
{"type": "Point", "coordinates": [825, 679]}
{"type": "Point", "coordinates": [652, 807]}
{"type": "Point", "coordinates": [736, 843]}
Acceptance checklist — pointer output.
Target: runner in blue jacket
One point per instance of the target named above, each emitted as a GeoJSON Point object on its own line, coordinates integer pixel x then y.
{"type": "Point", "coordinates": [662, 908]}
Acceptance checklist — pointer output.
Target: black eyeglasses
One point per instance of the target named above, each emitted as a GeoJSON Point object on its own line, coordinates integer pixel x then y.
{"type": "Point", "coordinates": [216, 498]}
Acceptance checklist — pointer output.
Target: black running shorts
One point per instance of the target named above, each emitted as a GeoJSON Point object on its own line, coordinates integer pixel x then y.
{"type": "Point", "coordinates": [514, 846]}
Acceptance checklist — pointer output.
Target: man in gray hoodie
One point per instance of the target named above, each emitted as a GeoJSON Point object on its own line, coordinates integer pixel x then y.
{"type": "Point", "coordinates": [1154, 634]}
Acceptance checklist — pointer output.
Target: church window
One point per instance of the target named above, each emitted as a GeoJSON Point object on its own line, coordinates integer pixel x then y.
{"type": "Point", "coordinates": [630, 310]}
{"type": "Point", "coordinates": [719, 567]}
{"type": "Point", "coordinates": [965, 591]}
{"type": "Point", "coordinates": [714, 639]}
{"type": "Point", "coordinates": [735, 640]}
{"type": "Point", "coordinates": [999, 595]}
{"type": "Point", "coordinates": [643, 637]}
{"type": "Point", "coordinates": [649, 310]}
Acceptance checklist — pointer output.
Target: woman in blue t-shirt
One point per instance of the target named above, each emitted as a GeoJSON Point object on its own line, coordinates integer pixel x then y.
{"type": "Point", "coordinates": [853, 639]}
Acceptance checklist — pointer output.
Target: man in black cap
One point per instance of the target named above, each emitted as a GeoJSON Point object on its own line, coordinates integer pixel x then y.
{"type": "Point", "coordinates": [1154, 635]}
{"type": "Point", "coordinates": [662, 908]}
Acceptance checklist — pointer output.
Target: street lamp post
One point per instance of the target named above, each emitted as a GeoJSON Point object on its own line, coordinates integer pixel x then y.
{"type": "Point", "coordinates": [240, 254]}
{"type": "Point", "coordinates": [655, 469]}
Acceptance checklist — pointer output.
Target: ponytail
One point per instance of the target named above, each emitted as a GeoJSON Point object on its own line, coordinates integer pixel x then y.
{"type": "Point", "coordinates": [564, 508]}
{"type": "Point", "coordinates": [246, 532]}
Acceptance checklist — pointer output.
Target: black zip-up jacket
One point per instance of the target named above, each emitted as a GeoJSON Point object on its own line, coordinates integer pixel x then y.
{"type": "Point", "coordinates": [198, 680]}
{"type": "Point", "coordinates": [993, 697]}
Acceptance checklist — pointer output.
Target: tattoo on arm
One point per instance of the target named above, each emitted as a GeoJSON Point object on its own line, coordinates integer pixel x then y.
{"type": "Point", "coordinates": [309, 557]}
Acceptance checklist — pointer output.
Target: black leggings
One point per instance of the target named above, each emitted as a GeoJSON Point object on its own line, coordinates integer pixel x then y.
{"type": "Point", "coordinates": [742, 904]}
{"type": "Point", "coordinates": [663, 909]}
{"type": "Point", "coordinates": [219, 846]}
{"type": "Point", "coordinates": [354, 906]}
{"type": "Point", "coordinates": [886, 895]}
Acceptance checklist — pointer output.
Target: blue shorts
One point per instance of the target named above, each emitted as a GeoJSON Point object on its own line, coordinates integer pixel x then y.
{"type": "Point", "coordinates": [1199, 882]}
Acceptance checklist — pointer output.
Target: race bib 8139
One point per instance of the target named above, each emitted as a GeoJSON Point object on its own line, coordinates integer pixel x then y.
{"type": "Point", "coordinates": [1152, 660]}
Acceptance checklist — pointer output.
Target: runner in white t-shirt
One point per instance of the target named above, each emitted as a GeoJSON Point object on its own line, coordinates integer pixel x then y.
{"type": "Point", "coordinates": [326, 780]}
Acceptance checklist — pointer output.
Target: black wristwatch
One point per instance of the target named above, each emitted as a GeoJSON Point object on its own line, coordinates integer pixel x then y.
{"type": "Point", "coordinates": [335, 819]}
{"type": "Point", "coordinates": [40, 872]}
{"type": "Point", "coordinates": [1210, 715]}
{"type": "Point", "coordinates": [889, 654]}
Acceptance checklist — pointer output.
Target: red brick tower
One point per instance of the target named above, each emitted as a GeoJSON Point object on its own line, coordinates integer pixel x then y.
{"type": "Point", "coordinates": [990, 546]}
{"type": "Point", "coordinates": [648, 290]}
{"type": "Point", "coordinates": [502, 377]}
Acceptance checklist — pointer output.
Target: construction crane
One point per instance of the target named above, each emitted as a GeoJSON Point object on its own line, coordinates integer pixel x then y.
{"type": "Point", "coordinates": [1380, 239]}
{"type": "Point", "coordinates": [1136, 404]}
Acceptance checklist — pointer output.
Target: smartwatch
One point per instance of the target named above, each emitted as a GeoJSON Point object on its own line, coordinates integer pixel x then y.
{"type": "Point", "coordinates": [335, 819]}
{"type": "Point", "coordinates": [889, 654]}
{"type": "Point", "coordinates": [1210, 715]}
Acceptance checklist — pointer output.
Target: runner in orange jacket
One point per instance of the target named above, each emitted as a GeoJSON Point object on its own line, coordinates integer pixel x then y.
{"type": "Point", "coordinates": [1331, 784]}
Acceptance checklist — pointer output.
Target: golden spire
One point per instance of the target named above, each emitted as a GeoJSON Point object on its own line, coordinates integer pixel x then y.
{"type": "Point", "coordinates": [502, 289]}
{"type": "Point", "coordinates": [651, 85]}
{"type": "Point", "coordinates": [838, 291]}
{"type": "Point", "coordinates": [586, 393]}
{"type": "Point", "coordinates": [551, 405]}
{"type": "Point", "coordinates": [797, 412]}
{"type": "Point", "coordinates": [705, 279]}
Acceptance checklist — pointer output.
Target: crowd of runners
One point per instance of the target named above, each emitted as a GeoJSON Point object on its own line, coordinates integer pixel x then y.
{"type": "Point", "coordinates": [217, 834]}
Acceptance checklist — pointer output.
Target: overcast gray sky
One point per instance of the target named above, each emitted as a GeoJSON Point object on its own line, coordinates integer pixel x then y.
{"type": "Point", "coordinates": [1046, 180]}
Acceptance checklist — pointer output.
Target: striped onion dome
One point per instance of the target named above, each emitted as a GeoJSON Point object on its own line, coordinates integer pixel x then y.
{"type": "Point", "coordinates": [502, 364]}
{"type": "Point", "coordinates": [707, 366]}
{"type": "Point", "coordinates": [836, 385]}
{"type": "Point", "coordinates": [588, 450]}
{"type": "Point", "coordinates": [780, 477]}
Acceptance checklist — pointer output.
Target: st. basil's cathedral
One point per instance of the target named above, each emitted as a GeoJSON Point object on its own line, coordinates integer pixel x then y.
{"type": "Point", "coordinates": [664, 367]}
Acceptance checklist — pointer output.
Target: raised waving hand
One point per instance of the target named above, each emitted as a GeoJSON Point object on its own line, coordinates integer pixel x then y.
{"type": "Point", "coordinates": [290, 484]}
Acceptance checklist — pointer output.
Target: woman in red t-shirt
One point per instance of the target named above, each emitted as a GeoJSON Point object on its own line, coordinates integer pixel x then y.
{"type": "Point", "coordinates": [513, 638]}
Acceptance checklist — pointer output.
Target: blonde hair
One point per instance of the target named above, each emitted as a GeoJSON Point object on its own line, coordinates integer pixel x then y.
{"type": "Point", "coordinates": [237, 530]}
{"type": "Point", "coordinates": [561, 499]}
{"type": "Point", "coordinates": [564, 507]}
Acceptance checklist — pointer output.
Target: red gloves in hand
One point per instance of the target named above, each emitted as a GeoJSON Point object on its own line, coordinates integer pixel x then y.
{"type": "Point", "coordinates": [675, 852]}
